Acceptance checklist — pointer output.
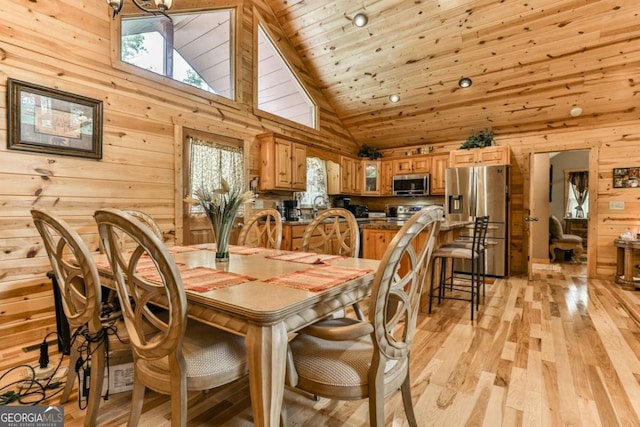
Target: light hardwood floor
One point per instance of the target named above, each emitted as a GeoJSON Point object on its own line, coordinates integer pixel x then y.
{"type": "Point", "coordinates": [559, 350]}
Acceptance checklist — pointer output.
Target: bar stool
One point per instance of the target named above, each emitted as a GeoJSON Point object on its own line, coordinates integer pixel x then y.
{"type": "Point", "coordinates": [467, 283]}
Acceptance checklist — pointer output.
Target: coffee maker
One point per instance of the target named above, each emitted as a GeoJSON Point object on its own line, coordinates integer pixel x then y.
{"type": "Point", "coordinates": [291, 210]}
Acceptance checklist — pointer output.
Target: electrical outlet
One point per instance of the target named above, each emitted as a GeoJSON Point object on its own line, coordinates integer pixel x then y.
{"type": "Point", "coordinates": [616, 205]}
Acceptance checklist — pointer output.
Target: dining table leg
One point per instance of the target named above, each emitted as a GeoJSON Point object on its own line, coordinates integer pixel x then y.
{"type": "Point", "coordinates": [266, 351]}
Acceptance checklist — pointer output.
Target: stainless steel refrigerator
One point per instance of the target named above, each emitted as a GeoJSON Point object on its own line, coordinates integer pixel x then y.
{"type": "Point", "coordinates": [479, 191]}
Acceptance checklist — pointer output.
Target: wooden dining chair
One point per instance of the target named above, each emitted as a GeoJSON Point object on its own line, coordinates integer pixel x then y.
{"type": "Point", "coordinates": [78, 281]}
{"type": "Point", "coordinates": [347, 359]}
{"type": "Point", "coordinates": [262, 229]}
{"type": "Point", "coordinates": [335, 231]}
{"type": "Point", "coordinates": [179, 355]}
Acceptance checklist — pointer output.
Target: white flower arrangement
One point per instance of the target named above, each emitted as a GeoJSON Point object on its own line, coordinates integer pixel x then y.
{"type": "Point", "coordinates": [221, 206]}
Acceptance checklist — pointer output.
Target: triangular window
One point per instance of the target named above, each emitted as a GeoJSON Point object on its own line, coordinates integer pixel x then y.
{"type": "Point", "coordinates": [279, 91]}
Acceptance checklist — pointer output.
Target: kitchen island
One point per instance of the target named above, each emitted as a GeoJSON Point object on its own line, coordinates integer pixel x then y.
{"type": "Point", "coordinates": [377, 234]}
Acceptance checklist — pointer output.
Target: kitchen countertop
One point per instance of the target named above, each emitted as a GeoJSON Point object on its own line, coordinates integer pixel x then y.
{"type": "Point", "coordinates": [395, 224]}
{"type": "Point", "coordinates": [307, 221]}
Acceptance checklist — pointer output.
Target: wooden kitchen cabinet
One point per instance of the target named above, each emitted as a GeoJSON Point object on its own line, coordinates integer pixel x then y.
{"type": "Point", "coordinates": [439, 165]}
{"type": "Point", "coordinates": [411, 165]}
{"type": "Point", "coordinates": [494, 155]}
{"type": "Point", "coordinates": [283, 163]}
{"type": "Point", "coordinates": [371, 177]}
{"type": "Point", "coordinates": [375, 242]}
{"type": "Point", "coordinates": [346, 177]}
{"type": "Point", "coordinates": [386, 177]}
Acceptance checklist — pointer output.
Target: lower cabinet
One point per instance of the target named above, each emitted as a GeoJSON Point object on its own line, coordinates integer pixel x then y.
{"type": "Point", "coordinates": [375, 242]}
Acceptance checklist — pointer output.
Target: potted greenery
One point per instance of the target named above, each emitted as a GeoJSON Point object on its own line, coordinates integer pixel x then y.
{"type": "Point", "coordinates": [371, 152]}
{"type": "Point", "coordinates": [484, 138]}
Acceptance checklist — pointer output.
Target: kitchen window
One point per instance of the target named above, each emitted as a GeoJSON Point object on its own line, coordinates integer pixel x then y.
{"type": "Point", "coordinates": [316, 181]}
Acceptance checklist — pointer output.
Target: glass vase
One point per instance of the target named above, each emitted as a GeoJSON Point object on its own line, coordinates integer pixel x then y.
{"type": "Point", "coordinates": [222, 233]}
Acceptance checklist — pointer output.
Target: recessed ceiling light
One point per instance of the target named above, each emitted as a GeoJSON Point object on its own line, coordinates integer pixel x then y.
{"type": "Point", "coordinates": [575, 111]}
{"type": "Point", "coordinates": [464, 82]}
{"type": "Point", "coordinates": [360, 20]}
{"type": "Point", "coordinates": [394, 98]}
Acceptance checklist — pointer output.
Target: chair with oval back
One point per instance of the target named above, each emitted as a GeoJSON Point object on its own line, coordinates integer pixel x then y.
{"type": "Point", "coordinates": [262, 229]}
{"type": "Point", "coordinates": [348, 359]}
{"type": "Point", "coordinates": [334, 231]}
{"type": "Point", "coordinates": [178, 355]}
{"type": "Point", "coordinates": [78, 280]}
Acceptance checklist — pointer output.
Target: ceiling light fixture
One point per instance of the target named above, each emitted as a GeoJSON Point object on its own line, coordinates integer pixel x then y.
{"type": "Point", "coordinates": [161, 5]}
{"type": "Point", "coordinates": [394, 98]}
{"type": "Point", "coordinates": [464, 82]}
{"type": "Point", "coordinates": [575, 111]}
{"type": "Point", "coordinates": [360, 20]}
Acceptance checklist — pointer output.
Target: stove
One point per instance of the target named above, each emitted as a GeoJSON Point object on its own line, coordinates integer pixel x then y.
{"type": "Point", "coordinates": [403, 211]}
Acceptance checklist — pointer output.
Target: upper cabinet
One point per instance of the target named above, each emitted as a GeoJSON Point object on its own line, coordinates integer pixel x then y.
{"type": "Point", "coordinates": [494, 155]}
{"type": "Point", "coordinates": [345, 177]}
{"type": "Point", "coordinates": [409, 165]}
{"type": "Point", "coordinates": [371, 177]}
{"type": "Point", "coordinates": [386, 177]}
{"type": "Point", "coordinates": [283, 163]}
{"type": "Point", "coordinates": [439, 165]}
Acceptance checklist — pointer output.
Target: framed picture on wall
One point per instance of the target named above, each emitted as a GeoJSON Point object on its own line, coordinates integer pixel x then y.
{"type": "Point", "coordinates": [626, 177]}
{"type": "Point", "coordinates": [50, 121]}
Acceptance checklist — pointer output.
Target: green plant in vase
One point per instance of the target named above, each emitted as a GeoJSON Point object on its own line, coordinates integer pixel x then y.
{"type": "Point", "coordinates": [221, 206]}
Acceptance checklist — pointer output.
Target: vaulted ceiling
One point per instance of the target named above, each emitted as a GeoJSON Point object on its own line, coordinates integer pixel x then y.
{"type": "Point", "coordinates": [531, 62]}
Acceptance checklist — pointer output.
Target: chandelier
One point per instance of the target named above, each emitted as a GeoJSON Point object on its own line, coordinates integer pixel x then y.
{"type": "Point", "coordinates": [144, 5]}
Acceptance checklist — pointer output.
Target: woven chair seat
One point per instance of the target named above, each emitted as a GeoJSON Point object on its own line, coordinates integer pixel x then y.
{"type": "Point", "coordinates": [201, 345]}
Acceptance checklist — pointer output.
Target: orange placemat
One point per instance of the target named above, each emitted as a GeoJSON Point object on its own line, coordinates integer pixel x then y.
{"type": "Point", "coordinates": [318, 279]}
{"type": "Point", "coordinates": [144, 264]}
{"type": "Point", "coordinates": [246, 250]}
{"type": "Point", "coordinates": [204, 279]}
{"type": "Point", "coordinates": [306, 257]}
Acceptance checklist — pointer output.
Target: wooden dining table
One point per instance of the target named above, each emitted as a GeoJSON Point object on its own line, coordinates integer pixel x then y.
{"type": "Point", "coordinates": [281, 293]}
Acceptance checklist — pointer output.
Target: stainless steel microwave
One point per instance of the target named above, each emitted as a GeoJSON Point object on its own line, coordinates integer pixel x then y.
{"type": "Point", "coordinates": [411, 185]}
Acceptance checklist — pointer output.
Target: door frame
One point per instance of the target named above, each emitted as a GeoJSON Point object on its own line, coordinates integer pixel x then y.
{"type": "Point", "coordinates": [594, 156]}
{"type": "Point", "coordinates": [181, 127]}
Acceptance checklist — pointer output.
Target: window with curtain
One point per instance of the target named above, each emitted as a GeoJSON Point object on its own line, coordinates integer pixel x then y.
{"type": "Point", "coordinates": [316, 181]}
{"type": "Point", "coordinates": [577, 194]}
{"type": "Point", "coordinates": [211, 161]}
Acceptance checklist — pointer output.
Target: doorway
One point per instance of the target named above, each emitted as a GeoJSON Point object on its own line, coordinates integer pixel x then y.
{"type": "Point", "coordinates": [549, 195]}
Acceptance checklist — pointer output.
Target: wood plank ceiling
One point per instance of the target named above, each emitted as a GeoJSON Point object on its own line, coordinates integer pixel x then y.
{"type": "Point", "coordinates": [530, 62]}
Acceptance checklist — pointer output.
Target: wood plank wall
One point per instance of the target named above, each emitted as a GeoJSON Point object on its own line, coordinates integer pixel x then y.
{"type": "Point", "coordinates": [140, 115]}
{"type": "Point", "coordinates": [138, 168]}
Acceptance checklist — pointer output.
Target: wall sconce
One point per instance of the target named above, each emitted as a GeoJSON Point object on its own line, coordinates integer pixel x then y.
{"type": "Point", "coordinates": [162, 7]}
{"type": "Point", "coordinates": [464, 82]}
{"type": "Point", "coordinates": [360, 20]}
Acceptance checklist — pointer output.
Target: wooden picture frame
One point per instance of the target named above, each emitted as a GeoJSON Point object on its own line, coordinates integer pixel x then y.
{"type": "Point", "coordinates": [626, 177]}
{"type": "Point", "coordinates": [50, 121]}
